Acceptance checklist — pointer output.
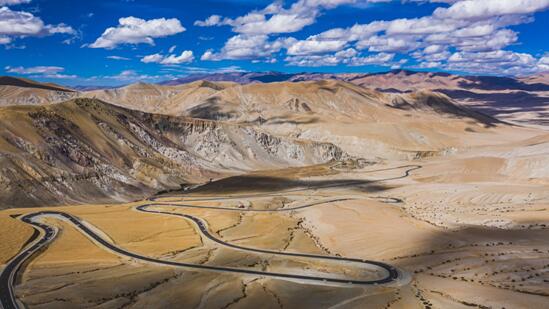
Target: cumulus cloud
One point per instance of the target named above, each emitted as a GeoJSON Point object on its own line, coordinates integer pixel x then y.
{"type": "Point", "coordinates": [14, 24]}
{"type": "Point", "coordinates": [307, 47]}
{"type": "Point", "coordinates": [500, 61]}
{"type": "Point", "coordinates": [433, 49]}
{"type": "Point", "coordinates": [482, 9]}
{"type": "Point", "coordinates": [132, 30]}
{"type": "Point", "coordinates": [543, 62]}
{"type": "Point", "coordinates": [184, 57]}
{"type": "Point", "coordinates": [480, 20]}
{"type": "Point", "coordinates": [214, 20]}
{"type": "Point", "coordinates": [464, 27]}
{"type": "Point", "coordinates": [388, 44]}
{"type": "Point", "coordinates": [40, 71]}
{"type": "Point", "coordinates": [244, 46]}
{"type": "Point", "coordinates": [275, 18]}
{"type": "Point", "coordinates": [349, 56]}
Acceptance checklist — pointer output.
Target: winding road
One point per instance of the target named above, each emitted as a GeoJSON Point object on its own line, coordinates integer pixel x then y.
{"type": "Point", "coordinates": [8, 276]}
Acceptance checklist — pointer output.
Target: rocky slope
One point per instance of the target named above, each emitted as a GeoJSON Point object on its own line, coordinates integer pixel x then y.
{"type": "Point", "coordinates": [86, 149]}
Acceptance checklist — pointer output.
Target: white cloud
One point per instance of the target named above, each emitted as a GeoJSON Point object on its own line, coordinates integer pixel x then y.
{"type": "Point", "coordinates": [123, 78]}
{"type": "Point", "coordinates": [248, 47]}
{"type": "Point", "coordinates": [429, 56]}
{"type": "Point", "coordinates": [13, 2]}
{"type": "Point", "coordinates": [184, 57]}
{"type": "Point", "coordinates": [15, 24]}
{"type": "Point", "coordinates": [130, 76]}
{"type": "Point", "coordinates": [543, 63]}
{"type": "Point", "coordinates": [433, 1]}
{"type": "Point", "coordinates": [388, 44]}
{"type": "Point", "coordinates": [307, 47]}
{"type": "Point", "coordinates": [432, 49]}
{"type": "Point", "coordinates": [384, 59]}
{"type": "Point", "coordinates": [35, 70]}
{"type": "Point", "coordinates": [255, 27]}
{"type": "Point", "coordinates": [118, 58]}
{"type": "Point", "coordinates": [349, 56]}
{"type": "Point", "coordinates": [209, 55]}
{"type": "Point", "coordinates": [154, 58]}
{"type": "Point", "coordinates": [127, 75]}
{"type": "Point", "coordinates": [280, 23]}
{"type": "Point", "coordinates": [214, 20]}
{"type": "Point", "coordinates": [185, 70]}
{"type": "Point", "coordinates": [354, 33]}
{"type": "Point", "coordinates": [424, 25]}
{"type": "Point", "coordinates": [482, 9]}
{"type": "Point", "coordinates": [277, 19]}
{"type": "Point", "coordinates": [60, 28]}
{"type": "Point", "coordinates": [466, 26]}
{"type": "Point", "coordinates": [495, 62]}
{"type": "Point", "coordinates": [40, 71]}
{"type": "Point", "coordinates": [5, 40]}
{"type": "Point", "coordinates": [430, 65]}
{"type": "Point", "coordinates": [132, 30]}
{"type": "Point", "coordinates": [474, 31]}
{"type": "Point", "coordinates": [313, 60]}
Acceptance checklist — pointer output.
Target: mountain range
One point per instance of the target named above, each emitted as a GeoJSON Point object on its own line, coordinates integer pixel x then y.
{"type": "Point", "coordinates": [520, 100]}
{"type": "Point", "coordinates": [58, 145]}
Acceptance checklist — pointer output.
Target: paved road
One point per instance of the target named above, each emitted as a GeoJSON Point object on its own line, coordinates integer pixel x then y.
{"type": "Point", "coordinates": [9, 273]}
{"type": "Point", "coordinates": [48, 233]}
{"type": "Point", "coordinates": [7, 295]}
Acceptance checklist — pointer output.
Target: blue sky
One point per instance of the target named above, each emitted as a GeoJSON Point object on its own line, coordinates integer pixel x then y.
{"type": "Point", "coordinates": [116, 42]}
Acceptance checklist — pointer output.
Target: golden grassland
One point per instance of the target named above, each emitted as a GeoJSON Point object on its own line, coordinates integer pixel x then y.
{"type": "Point", "coordinates": [14, 235]}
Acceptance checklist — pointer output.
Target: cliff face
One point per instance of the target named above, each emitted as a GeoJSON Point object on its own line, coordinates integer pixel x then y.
{"type": "Point", "coordinates": [86, 149]}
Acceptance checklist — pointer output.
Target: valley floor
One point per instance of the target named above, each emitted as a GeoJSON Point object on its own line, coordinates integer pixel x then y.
{"type": "Point", "coordinates": [460, 233]}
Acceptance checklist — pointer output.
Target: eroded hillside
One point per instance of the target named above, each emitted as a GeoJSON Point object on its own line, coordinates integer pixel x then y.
{"type": "Point", "coordinates": [86, 148]}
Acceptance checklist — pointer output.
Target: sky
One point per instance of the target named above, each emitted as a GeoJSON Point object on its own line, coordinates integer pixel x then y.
{"type": "Point", "coordinates": [115, 42]}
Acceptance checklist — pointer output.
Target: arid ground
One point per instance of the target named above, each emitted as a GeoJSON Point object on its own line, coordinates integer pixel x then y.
{"type": "Point", "coordinates": [471, 238]}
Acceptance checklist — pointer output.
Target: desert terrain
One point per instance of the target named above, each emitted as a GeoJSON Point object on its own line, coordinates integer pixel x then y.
{"type": "Point", "coordinates": [308, 192]}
